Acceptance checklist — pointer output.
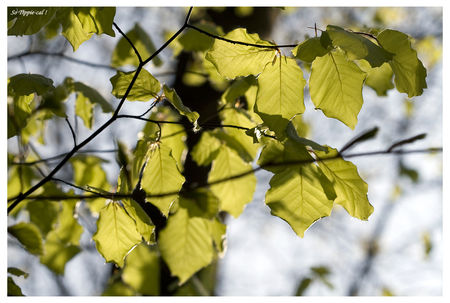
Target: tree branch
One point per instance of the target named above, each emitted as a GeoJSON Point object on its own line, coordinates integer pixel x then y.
{"type": "Point", "coordinates": [73, 133]}
{"type": "Point", "coordinates": [129, 41]}
{"type": "Point", "coordinates": [238, 42]}
{"type": "Point", "coordinates": [22, 196]}
{"type": "Point", "coordinates": [117, 196]}
{"type": "Point", "coordinates": [62, 56]}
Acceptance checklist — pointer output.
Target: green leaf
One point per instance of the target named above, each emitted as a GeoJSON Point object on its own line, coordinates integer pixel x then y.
{"type": "Point", "coordinates": [144, 224]}
{"type": "Point", "coordinates": [19, 113]}
{"type": "Point", "coordinates": [57, 253]}
{"type": "Point", "coordinates": [17, 272]}
{"type": "Point", "coordinates": [13, 288]}
{"type": "Point", "coordinates": [79, 23]}
{"type": "Point", "coordinates": [43, 214]}
{"type": "Point", "coordinates": [206, 149]}
{"type": "Point", "coordinates": [28, 235]}
{"type": "Point", "coordinates": [304, 284]}
{"type": "Point", "coordinates": [309, 49]}
{"type": "Point", "coordinates": [218, 234]}
{"type": "Point", "coordinates": [172, 96]}
{"type": "Point", "coordinates": [26, 84]}
{"type": "Point", "coordinates": [246, 148]}
{"type": "Point", "coordinates": [409, 72]}
{"type": "Point", "coordinates": [298, 193]}
{"type": "Point", "coordinates": [292, 134]}
{"type": "Point", "coordinates": [357, 46]}
{"type": "Point", "coordinates": [234, 60]}
{"type": "Point", "coordinates": [200, 203]}
{"type": "Point", "coordinates": [118, 288]}
{"type": "Point", "coordinates": [350, 189]}
{"type": "Point", "coordinates": [336, 87]}
{"type": "Point", "coordinates": [93, 96]}
{"type": "Point", "coordinates": [280, 94]}
{"type": "Point", "coordinates": [123, 54]}
{"type": "Point", "coordinates": [233, 194]}
{"type": "Point", "coordinates": [185, 244]}
{"type": "Point", "coordinates": [116, 233]}
{"type": "Point", "coordinates": [174, 136]}
{"type": "Point", "coordinates": [28, 20]}
{"type": "Point", "coordinates": [85, 110]}
{"type": "Point", "coordinates": [89, 172]}
{"type": "Point", "coordinates": [145, 87]}
{"type": "Point", "coordinates": [142, 270]}
{"type": "Point", "coordinates": [162, 176]}
{"type": "Point", "coordinates": [192, 40]}
{"type": "Point", "coordinates": [68, 229]}
{"type": "Point", "coordinates": [378, 78]}
{"type": "Point", "coordinates": [237, 89]}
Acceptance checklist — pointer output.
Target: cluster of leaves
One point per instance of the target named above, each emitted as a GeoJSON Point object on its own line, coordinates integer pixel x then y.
{"type": "Point", "coordinates": [260, 109]}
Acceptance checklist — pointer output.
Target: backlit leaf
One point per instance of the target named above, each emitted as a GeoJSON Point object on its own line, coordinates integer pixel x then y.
{"type": "Point", "coordinates": [79, 23]}
{"type": "Point", "coordinates": [186, 244]}
{"type": "Point", "coordinates": [280, 94]}
{"type": "Point", "coordinates": [296, 195]}
{"type": "Point", "coordinates": [116, 233]}
{"type": "Point", "coordinates": [28, 20]}
{"type": "Point", "coordinates": [84, 109]}
{"type": "Point", "coordinates": [192, 40]}
{"type": "Point", "coordinates": [350, 189]}
{"type": "Point", "coordinates": [175, 100]}
{"type": "Point", "coordinates": [309, 49]}
{"type": "Point", "coordinates": [206, 149]}
{"type": "Point", "coordinates": [233, 194]}
{"type": "Point", "coordinates": [336, 87]}
{"type": "Point", "coordinates": [124, 54]}
{"type": "Point", "coordinates": [57, 253]}
{"type": "Point", "coordinates": [357, 46]}
{"type": "Point", "coordinates": [234, 60]}
{"type": "Point", "coordinates": [162, 176]}
{"type": "Point", "coordinates": [378, 78]}
{"type": "Point", "coordinates": [200, 203]}
{"type": "Point", "coordinates": [145, 87]}
{"type": "Point", "coordinates": [144, 224]}
{"type": "Point", "coordinates": [28, 235]}
{"type": "Point", "coordinates": [409, 72]}
{"type": "Point", "coordinates": [141, 270]}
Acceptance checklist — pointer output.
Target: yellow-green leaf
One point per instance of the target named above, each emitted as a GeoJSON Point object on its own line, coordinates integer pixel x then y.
{"type": "Point", "coordinates": [409, 72]}
{"type": "Point", "coordinates": [28, 235]}
{"type": "Point", "coordinates": [350, 188]}
{"type": "Point", "coordinates": [84, 109]}
{"type": "Point", "coordinates": [141, 270]}
{"type": "Point", "coordinates": [57, 253]}
{"type": "Point", "coordinates": [145, 87]}
{"type": "Point", "coordinates": [116, 233]}
{"type": "Point", "coordinates": [13, 288]}
{"type": "Point", "coordinates": [186, 244]}
{"type": "Point", "coordinates": [162, 176]}
{"type": "Point", "coordinates": [28, 20]}
{"type": "Point", "coordinates": [123, 54]}
{"type": "Point", "coordinates": [192, 40]}
{"type": "Point", "coordinates": [233, 116]}
{"type": "Point", "coordinates": [175, 100]}
{"type": "Point", "coordinates": [357, 46]}
{"type": "Point", "coordinates": [234, 60]}
{"type": "Point", "coordinates": [79, 23]}
{"type": "Point", "coordinates": [297, 196]}
{"type": "Point", "coordinates": [280, 94]}
{"type": "Point", "coordinates": [200, 203]}
{"type": "Point", "coordinates": [218, 234]}
{"type": "Point", "coordinates": [233, 194]}
{"type": "Point", "coordinates": [144, 224]}
{"type": "Point", "coordinates": [206, 149]}
{"type": "Point", "coordinates": [378, 78]}
{"type": "Point", "coordinates": [309, 49]}
{"type": "Point", "coordinates": [336, 87]}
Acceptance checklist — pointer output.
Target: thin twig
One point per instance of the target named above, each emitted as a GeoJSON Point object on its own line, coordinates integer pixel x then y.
{"type": "Point", "coordinates": [238, 42]}
{"type": "Point", "coordinates": [238, 176]}
{"type": "Point", "coordinates": [129, 41]}
{"type": "Point", "coordinates": [73, 133]}
{"type": "Point", "coordinates": [87, 151]}
{"type": "Point", "coordinates": [22, 196]}
{"type": "Point", "coordinates": [62, 56]}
